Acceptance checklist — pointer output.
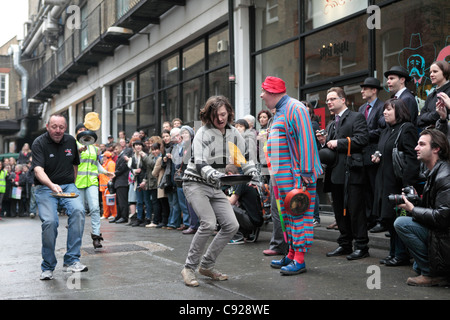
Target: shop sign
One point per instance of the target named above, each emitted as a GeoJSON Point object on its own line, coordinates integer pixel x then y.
{"type": "Point", "coordinates": [327, 11]}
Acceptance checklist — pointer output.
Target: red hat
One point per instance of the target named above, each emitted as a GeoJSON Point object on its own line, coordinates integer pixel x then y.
{"type": "Point", "coordinates": [274, 85]}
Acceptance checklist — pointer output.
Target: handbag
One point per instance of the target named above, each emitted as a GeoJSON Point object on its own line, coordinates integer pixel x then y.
{"type": "Point", "coordinates": [16, 193]}
{"type": "Point", "coordinates": [178, 178]}
{"type": "Point", "coordinates": [398, 157]}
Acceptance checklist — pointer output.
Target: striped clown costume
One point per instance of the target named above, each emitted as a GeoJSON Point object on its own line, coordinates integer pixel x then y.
{"type": "Point", "coordinates": [292, 152]}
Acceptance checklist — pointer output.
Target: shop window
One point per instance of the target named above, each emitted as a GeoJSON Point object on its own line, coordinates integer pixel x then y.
{"type": "Point", "coordinates": [270, 64]}
{"type": "Point", "coordinates": [192, 95]}
{"type": "Point", "coordinates": [218, 50]}
{"type": "Point", "coordinates": [275, 21]}
{"type": "Point", "coordinates": [169, 70]}
{"type": "Point", "coordinates": [194, 60]}
{"type": "Point", "coordinates": [147, 81]}
{"type": "Point", "coordinates": [413, 34]}
{"type": "Point", "coordinates": [336, 51]}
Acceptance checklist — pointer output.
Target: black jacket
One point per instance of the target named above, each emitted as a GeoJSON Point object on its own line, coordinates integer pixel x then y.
{"type": "Point", "coordinates": [375, 125]}
{"type": "Point", "coordinates": [411, 103]}
{"type": "Point", "coordinates": [353, 125]}
{"type": "Point", "coordinates": [122, 171]}
{"type": "Point", "coordinates": [428, 115]}
{"type": "Point", "coordinates": [434, 213]}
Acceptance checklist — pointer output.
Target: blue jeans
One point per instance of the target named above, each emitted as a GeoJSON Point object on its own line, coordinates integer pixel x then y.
{"type": "Point", "coordinates": [32, 208]}
{"type": "Point", "coordinates": [89, 196]}
{"type": "Point", "coordinates": [175, 212]}
{"type": "Point", "coordinates": [415, 237]}
{"type": "Point", "coordinates": [47, 206]}
{"type": "Point", "coordinates": [143, 197]}
{"type": "Point", "coordinates": [183, 206]}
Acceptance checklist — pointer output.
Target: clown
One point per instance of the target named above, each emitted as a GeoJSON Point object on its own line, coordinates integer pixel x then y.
{"type": "Point", "coordinates": [293, 157]}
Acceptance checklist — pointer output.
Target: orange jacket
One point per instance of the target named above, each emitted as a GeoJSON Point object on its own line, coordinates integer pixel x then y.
{"type": "Point", "coordinates": [109, 166]}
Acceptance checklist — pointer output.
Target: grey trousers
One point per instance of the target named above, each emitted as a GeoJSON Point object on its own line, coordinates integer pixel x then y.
{"type": "Point", "coordinates": [211, 206]}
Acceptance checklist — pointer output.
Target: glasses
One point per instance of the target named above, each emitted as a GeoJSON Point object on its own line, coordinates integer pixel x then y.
{"type": "Point", "coordinates": [331, 100]}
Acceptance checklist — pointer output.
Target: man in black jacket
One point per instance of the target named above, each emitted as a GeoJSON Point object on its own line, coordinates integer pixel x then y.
{"type": "Point", "coordinates": [346, 184]}
{"type": "Point", "coordinates": [372, 110]}
{"type": "Point", "coordinates": [397, 77]}
{"type": "Point", "coordinates": [430, 223]}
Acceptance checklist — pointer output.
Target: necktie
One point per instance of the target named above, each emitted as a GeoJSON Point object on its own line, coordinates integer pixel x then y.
{"type": "Point", "coordinates": [366, 114]}
{"type": "Point", "coordinates": [336, 121]}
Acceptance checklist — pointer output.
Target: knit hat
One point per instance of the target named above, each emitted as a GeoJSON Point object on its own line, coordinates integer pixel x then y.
{"type": "Point", "coordinates": [274, 85]}
{"type": "Point", "coordinates": [188, 129]}
{"type": "Point", "coordinates": [79, 126]}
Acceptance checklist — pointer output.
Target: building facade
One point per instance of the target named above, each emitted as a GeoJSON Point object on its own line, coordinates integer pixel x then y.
{"type": "Point", "coordinates": [141, 62]}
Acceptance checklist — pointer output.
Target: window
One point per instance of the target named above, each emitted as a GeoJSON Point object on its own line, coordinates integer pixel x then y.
{"type": "Point", "coordinates": [4, 88]}
{"type": "Point", "coordinates": [194, 60]}
{"type": "Point", "coordinates": [271, 11]}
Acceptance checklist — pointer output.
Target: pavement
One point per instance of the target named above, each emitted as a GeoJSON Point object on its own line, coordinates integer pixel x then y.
{"type": "Point", "coordinates": [138, 263]}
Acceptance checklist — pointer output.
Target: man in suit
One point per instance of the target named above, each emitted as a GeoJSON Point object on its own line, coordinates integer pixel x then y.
{"type": "Point", "coordinates": [346, 185]}
{"type": "Point", "coordinates": [373, 112]}
{"type": "Point", "coordinates": [121, 185]}
{"type": "Point", "coordinates": [397, 77]}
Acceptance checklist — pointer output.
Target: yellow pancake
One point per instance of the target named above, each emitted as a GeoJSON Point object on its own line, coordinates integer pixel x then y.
{"type": "Point", "coordinates": [236, 154]}
{"type": "Point", "coordinates": [92, 121]}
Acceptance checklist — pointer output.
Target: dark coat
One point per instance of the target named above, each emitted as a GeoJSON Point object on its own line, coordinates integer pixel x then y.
{"type": "Point", "coordinates": [434, 213]}
{"type": "Point", "coordinates": [410, 101]}
{"type": "Point", "coordinates": [353, 125]}
{"type": "Point", "coordinates": [428, 115]}
{"type": "Point", "coordinates": [386, 182]}
{"type": "Point", "coordinates": [375, 124]}
{"type": "Point", "coordinates": [122, 171]}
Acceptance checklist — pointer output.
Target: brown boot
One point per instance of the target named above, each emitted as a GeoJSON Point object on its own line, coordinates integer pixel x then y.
{"type": "Point", "coordinates": [426, 281]}
{"type": "Point", "coordinates": [96, 240]}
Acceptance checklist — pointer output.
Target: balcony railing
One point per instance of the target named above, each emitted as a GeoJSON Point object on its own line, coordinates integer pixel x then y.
{"type": "Point", "coordinates": [82, 50]}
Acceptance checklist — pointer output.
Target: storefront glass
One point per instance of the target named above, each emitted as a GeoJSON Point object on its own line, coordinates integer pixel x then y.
{"type": "Point", "coordinates": [413, 34]}
{"type": "Point", "coordinates": [275, 21]}
{"type": "Point", "coordinates": [337, 51]}
{"type": "Point", "coordinates": [218, 49]}
{"type": "Point", "coordinates": [282, 62]}
{"type": "Point", "coordinates": [194, 60]}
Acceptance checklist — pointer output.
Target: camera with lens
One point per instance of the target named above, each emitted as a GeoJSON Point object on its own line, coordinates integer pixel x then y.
{"type": "Point", "coordinates": [410, 195]}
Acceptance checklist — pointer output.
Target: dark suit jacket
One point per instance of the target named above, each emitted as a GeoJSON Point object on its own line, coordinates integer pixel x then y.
{"type": "Point", "coordinates": [410, 101]}
{"type": "Point", "coordinates": [122, 170]}
{"type": "Point", "coordinates": [353, 125]}
{"type": "Point", "coordinates": [375, 124]}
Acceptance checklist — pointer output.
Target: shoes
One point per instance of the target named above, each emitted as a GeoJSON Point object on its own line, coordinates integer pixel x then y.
{"type": "Point", "coordinates": [293, 268]}
{"type": "Point", "coordinates": [213, 274]}
{"type": "Point", "coordinates": [111, 218]}
{"type": "Point", "coordinates": [394, 262]}
{"type": "Point", "coordinates": [75, 267]}
{"type": "Point", "coordinates": [114, 220]}
{"type": "Point", "coordinates": [189, 231]}
{"type": "Point", "coordinates": [46, 275]}
{"type": "Point", "coordinates": [339, 251]}
{"type": "Point", "coordinates": [182, 228]}
{"type": "Point", "coordinates": [96, 241]}
{"type": "Point", "coordinates": [383, 261]}
{"type": "Point", "coordinates": [425, 281]}
{"type": "Point", "coordinates": [189, 277]}
{"type": "Point", "coordinates": [237, 241]}
{"type": "Point", "coordinates": [378, 228]}
{"type": "Point", "coordinates": [122, 220]}
{"type": "Point", "coordinates": [278, 264]}
{"type": "Point", "coordinates": [333, 226]}
{"type": "Point", "coordinates": [270, 252]}
{"type": "Point", "coordinates": [151, 225]}
{"type": "Point", "coordinates": [358, 254]}
{"type": "Point", "coordinates": [32, 215]}
{"type": "Point", "coordinates": [137, 223]}
{"type": "Point", "coordinates": [316, 223]}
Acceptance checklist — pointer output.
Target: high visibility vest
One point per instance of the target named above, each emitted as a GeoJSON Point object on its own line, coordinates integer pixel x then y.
{"type": "Point", "coordinates": [87, 169]}
{"type": "Point", "coordinates": [3, 175]}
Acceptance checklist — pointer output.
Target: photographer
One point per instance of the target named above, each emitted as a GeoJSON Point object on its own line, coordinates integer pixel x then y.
{"type": "Point", "coordinates": [426, 232]}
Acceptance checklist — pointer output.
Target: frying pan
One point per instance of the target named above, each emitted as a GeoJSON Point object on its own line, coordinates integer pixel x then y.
{"type": "Point", "coordinates": [86, 138]}
{"type": "Point", "coordinates": [297, 201]}
{"type": "Point", "coordinates": [234, 179]}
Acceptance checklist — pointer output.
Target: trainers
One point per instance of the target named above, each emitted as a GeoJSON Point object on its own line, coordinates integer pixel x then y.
{"type": "Point", "coordinates": [237, 241]}
{"type": "Point", "coordinates": [213, 274]}
{"type": "Point", "coordinates": [46, 275]}
{"type": "Point", "coordinates": [189, 277]}
{"type": "Point", "coordinates": [75, 267]}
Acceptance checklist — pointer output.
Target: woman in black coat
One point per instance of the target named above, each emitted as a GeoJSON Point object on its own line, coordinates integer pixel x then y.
{"type": "Point", "coordinates": [397, 116]}
{"type": "Point", "coordinates": [439, 75]}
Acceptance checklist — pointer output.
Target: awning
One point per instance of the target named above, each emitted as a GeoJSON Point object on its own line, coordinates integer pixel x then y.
{"type": "Point", "coordinates": [9, 126]}
{"type": "Point", "coordinates": [9, 155]}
